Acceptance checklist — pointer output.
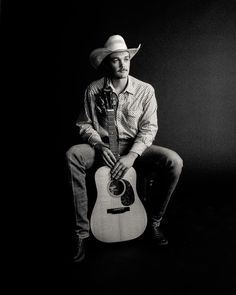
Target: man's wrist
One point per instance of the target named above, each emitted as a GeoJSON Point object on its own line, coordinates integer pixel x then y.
{"type": "Point", "coordinates": [98, 145]}
{"type": "Point", "coordinates": [133, 155]}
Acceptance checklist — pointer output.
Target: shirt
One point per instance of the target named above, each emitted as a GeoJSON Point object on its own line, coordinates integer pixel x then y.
{"type": "Point", "coordinates": [135, 118]}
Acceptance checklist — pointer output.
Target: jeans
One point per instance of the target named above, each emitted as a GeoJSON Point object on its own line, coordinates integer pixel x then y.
{"type": "Point", "coordinates": [163, 164]}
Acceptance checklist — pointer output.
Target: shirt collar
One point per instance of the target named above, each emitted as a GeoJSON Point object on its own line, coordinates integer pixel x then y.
{"type": "Point", "coordinates": [129, 88]}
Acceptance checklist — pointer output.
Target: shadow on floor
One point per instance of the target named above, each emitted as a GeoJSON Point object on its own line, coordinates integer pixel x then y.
{"type": "Point", "coordinates": [200, 225]}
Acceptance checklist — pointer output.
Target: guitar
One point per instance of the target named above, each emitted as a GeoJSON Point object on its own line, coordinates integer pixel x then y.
{"type": "Point", "coordinates": [118, 214]}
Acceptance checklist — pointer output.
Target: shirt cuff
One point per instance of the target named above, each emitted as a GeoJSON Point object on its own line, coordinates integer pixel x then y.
{"type": "Point", "coordinates": [93, 140]}
{"type": "Point", "coordinates": [138, 148]}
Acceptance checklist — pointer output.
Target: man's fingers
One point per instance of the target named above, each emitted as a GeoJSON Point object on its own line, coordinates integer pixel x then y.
{"type": "Point", "coordinates": [108, 163]}
{"type": "Point", "coordinates": [119, 172]}
{"type": "Point", "coordinates": [113, 158]}
{"type": "Point", "coordinates": [107, 156]}
{"type": "Point", "coordinates": [116, 168]}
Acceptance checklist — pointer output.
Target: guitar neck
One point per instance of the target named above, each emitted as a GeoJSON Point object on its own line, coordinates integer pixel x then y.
{"type": "Point", "coordinates": [112, 131]}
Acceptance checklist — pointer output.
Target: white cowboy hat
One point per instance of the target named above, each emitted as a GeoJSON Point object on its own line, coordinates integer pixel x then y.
{"type": "Point", "coordinates": [114, 43]}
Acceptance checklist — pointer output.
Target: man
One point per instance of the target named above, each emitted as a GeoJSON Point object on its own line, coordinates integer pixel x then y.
{"type": "Point", "coordinates": [136, 125]}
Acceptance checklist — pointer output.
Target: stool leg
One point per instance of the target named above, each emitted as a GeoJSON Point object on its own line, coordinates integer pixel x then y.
{"type": "Point", "coordinates": [148, 183]}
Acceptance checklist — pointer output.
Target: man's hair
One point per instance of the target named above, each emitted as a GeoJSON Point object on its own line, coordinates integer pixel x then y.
{"type": "Point", "coordinates": [105, 68]}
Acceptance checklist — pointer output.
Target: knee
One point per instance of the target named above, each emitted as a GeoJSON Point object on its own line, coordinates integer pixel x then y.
{"type": "Point", "coordinates": [175, 162]}
{"type": "Point", "coordinates": [72, 153]}
{"type": "Point", "coordinates": [80, 154]}
{"type": "Point", "coordinates": [69, 153]}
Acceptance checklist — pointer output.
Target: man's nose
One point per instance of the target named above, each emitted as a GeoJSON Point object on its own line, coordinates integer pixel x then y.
{"type": "Point", "coordinates": [122, 64]}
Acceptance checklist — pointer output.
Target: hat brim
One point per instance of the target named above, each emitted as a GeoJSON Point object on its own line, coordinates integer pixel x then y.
{"type": "Point", "coordinates": [97, 56]}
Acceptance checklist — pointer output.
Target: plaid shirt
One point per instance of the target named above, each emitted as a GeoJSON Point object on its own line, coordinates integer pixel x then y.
{"type": "Point", "coordinates": [135, 115]}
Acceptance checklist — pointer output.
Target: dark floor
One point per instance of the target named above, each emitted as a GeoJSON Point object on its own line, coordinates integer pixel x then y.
{"type": "Point", "coordinates": [200, 224]}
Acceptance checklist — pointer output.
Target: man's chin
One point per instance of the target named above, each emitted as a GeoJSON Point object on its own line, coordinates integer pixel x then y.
{"type": "Point", "coordinates": [123, 75]}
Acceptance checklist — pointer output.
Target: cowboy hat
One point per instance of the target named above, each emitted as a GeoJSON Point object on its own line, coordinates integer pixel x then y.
{"type": "Point", "coordinates": [114, 43]}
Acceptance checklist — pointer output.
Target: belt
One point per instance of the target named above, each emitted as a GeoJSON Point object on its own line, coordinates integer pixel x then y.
{"type": "Point", "coordinates": [121, 140]}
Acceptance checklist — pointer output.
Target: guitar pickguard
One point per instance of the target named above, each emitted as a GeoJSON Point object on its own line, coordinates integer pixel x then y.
{"type": "Point", "coordinates": [127, 198]}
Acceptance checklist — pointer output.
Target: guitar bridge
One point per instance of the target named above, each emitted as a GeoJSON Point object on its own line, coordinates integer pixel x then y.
{"type": "Point", "coordinates": [118, 210]}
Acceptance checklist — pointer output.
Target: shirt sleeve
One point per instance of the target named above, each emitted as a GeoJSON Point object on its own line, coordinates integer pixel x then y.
{"type": "Point", "coordinates": [148, 124]}
{"type": "Point", "coordinates": [87, 130]}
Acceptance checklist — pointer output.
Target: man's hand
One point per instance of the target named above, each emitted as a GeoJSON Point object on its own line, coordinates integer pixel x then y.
{"type": "Point", "coordinates": [106, 153]}
{"type": "Point", "coordinates": [122, 165]}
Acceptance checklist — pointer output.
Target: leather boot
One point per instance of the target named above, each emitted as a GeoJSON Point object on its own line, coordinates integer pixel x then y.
{"type": "Point", "coordinates": [79, 253]}
{"type": "Point", "coordinates": [157, 235]}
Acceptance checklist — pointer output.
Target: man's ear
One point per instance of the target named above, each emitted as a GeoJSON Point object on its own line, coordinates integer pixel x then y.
{"type": "Point", "coordinates": [104, 68]}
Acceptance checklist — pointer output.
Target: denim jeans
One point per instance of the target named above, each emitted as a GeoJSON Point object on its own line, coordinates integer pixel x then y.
{"type": "Point", "coordinates": [163, 164]}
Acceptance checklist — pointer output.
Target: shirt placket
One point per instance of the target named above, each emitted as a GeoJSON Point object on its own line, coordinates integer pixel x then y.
{"type": "Point", "coordinates": [121, 101]}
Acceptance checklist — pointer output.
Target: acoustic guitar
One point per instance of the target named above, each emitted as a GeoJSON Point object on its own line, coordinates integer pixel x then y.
{"type": "Point", "coordinates": [118, 214]}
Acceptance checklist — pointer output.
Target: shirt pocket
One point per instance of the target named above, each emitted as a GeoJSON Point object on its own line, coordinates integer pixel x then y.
{"type": "Point", "coordinates": [132, 118]}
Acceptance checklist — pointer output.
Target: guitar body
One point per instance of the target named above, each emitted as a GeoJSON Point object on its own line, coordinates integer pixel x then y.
{"type": "Point", "coordinates": [118, 214]}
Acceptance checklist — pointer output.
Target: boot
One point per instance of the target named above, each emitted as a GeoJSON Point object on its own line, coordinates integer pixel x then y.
{"type": "Point", "coordinates": [79, 253]}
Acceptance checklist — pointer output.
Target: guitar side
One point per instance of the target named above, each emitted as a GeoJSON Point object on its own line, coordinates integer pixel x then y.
{"type": "Point", "coordinates": [111, 221]}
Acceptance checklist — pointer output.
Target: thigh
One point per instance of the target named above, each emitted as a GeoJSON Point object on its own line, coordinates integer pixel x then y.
{"type": "Point", "coordinates": [155, 157]}
{"type": "Point", "coordinates": [155, 153]}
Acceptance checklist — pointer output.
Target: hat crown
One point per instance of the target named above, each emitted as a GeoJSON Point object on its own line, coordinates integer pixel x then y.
{"type": "Point", "coordinates": [115, 42]}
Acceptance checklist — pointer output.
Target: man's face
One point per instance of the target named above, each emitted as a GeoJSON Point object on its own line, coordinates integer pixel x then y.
{"type": "Point", "coordinates": [119, 64]}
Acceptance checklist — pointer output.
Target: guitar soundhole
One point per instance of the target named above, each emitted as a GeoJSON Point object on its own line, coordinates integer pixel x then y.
{"type": "Point", "coordinates": [116, 188]}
